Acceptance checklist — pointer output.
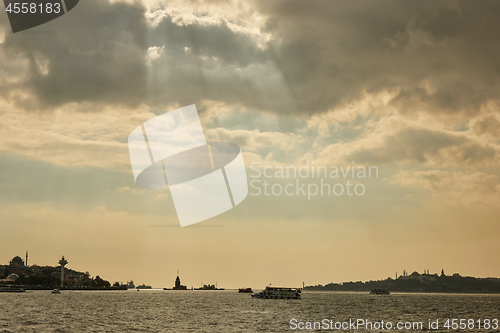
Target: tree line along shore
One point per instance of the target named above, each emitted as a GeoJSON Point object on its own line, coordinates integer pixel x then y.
{"type": "Point", "coordinates": [416, 282]}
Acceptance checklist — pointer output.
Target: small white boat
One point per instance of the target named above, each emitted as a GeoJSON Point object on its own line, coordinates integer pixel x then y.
{"type": "Point", "coordinates": [279, 293]}
{"type": "Point", "coordinates": [56, 291]}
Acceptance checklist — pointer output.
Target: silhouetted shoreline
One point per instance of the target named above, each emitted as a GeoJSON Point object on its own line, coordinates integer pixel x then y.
{"type": "Point", "coordinates": [36, 277]}
{"type": "Point", "coordinates": [31, 288]}
{"type": "Point", "coordinates": [431, 283]}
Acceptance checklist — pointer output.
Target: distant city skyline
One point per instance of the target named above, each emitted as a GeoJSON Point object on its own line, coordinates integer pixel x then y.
{"type": "Point", "coordinates": [19, 265]}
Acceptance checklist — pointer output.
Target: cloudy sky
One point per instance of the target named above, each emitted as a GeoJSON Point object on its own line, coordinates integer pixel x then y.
{"type": "Point", "coordinates": [411, 87]}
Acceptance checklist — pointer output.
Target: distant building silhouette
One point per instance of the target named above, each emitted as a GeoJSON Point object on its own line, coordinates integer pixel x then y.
{"type": "Point", "coordinates": [16, 266]}
{"type": "Point", "coordinates": [16, 262]}
{"type": "Point", "coordinates": [47, 276]}
{"type": "Point", "coordinates": [178, 285]}
{"type": "Point", "coordinates": [420, 283]}
{"type": "Point", "coordinates": [63, 262]}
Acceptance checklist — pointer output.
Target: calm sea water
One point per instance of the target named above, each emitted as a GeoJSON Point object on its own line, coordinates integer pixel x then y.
{"type": "Point", "coordinates": [227, 311]}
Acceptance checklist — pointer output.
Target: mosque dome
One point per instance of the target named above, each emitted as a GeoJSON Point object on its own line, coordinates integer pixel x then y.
{"type": "Point", "coordinates": [17, 261]}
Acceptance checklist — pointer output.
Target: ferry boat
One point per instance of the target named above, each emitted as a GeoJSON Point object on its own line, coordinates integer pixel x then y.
{"type": "Point", "coordinates": [209, 287]}
{"type": "Point", "coordinates": [10, 289]}
{"type": "Point", "coordinates": [131, 285]}
{"type": "Point", "coordinates": [245, 290]}
{"type": "Point", "coordinates": [279, 293]}
{"type": "Point", "coordinates": [379, 292]}
{"type": "Point", "coordinates": [143, 286]}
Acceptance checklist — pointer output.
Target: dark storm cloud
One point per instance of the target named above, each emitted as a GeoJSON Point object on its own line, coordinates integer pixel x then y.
{"type": "Point", "coordinates": [93, 53]}
{"type": "Point", "coordinates": [203, 62]}
{"type": "Point", "coordinates": [99, 53]}
{"type": "Point", "coordinates": [443, 56]}
{"type": "Point", "coordinates": [333, 50]}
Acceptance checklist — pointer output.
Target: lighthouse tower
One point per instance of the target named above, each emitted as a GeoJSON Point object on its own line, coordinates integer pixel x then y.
{"type": "Point", "coordinates": [63, 262]}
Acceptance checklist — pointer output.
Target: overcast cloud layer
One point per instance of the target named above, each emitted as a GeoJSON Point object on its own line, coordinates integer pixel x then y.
{"type": "Point", "coordinates": [308, 57]}
{"type": "Point", "coordinates": [383, 82]}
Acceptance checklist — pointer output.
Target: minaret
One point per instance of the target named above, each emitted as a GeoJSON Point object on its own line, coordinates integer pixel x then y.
{"type": "Point", "coordinates": [26, 263]}
{"type": "Point", "coordinates": [63, 262]}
